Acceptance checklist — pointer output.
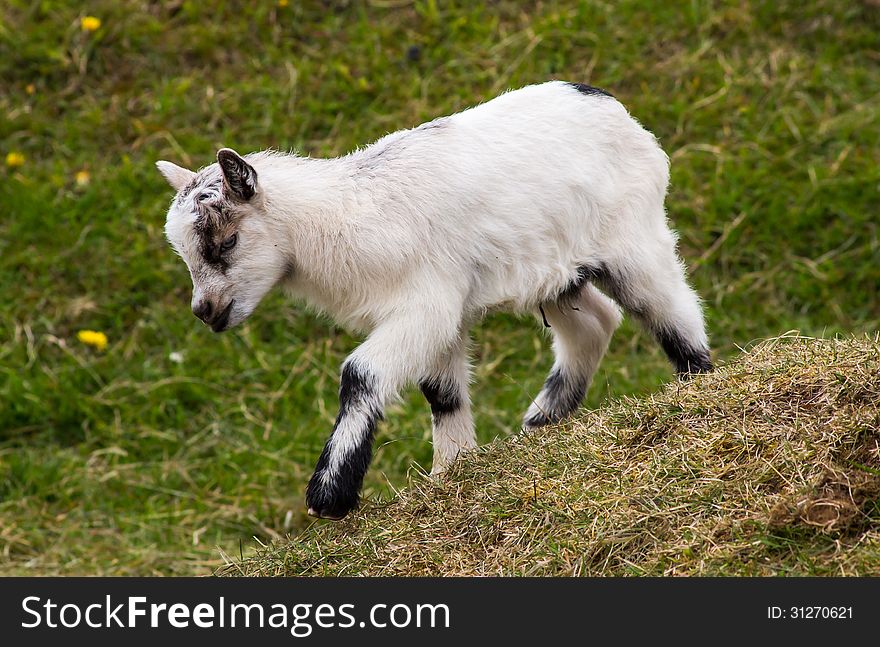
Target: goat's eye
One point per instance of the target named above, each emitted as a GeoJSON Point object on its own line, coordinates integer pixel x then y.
{"type": "Point", "coordinates": [229, 243]}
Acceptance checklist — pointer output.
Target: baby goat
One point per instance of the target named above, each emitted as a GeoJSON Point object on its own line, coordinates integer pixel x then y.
{"type": "Point", "coordinates": [547, 199]}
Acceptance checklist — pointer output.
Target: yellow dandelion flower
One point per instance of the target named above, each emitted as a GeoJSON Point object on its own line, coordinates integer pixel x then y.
{"type": "Point", "coordinates": [30, 88]}
{"type": "Point", "coordinates": [93, 338]}
{"type": "Point", "coordinates": [83, 178]}
{"type": "Point", "coordinates": [14, 159]}
{"type": "Point", "coordinates": [283, 3]}
{"type": "Point", "coordinates": [90, 23]}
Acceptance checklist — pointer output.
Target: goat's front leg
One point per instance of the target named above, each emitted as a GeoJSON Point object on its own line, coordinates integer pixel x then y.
{"type": "Point", "coordinates": [446, 390]}
{"type": "Point", "coordinates": [394, 355]}
{"type": "Point", "coordinates": [334, 487]}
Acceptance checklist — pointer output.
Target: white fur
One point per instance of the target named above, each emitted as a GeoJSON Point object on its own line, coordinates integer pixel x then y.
{"type": "Point", "coordinates": [453, 433]}
{"type": "Point", "coordinates": [580, 339]}
{"type": "Point", "coordinates": [416, 237]}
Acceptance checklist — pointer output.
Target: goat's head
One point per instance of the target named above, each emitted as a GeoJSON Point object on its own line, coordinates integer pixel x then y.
{"type": "Point", "coordinates": [217, 225]}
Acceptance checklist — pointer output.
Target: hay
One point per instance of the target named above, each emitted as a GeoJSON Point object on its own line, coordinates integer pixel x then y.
{"type": "Point", "coordinates": [770, 465]}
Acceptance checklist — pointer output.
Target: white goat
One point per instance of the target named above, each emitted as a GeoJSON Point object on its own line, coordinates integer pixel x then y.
{"type": "Point", "coordinates": [527, 203]}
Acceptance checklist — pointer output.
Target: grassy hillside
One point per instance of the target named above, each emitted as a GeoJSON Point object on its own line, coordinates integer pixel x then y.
{"type": "Point", "coordinates": [771, 466]}
{"type": "Point", "coordinates": [146, 457]}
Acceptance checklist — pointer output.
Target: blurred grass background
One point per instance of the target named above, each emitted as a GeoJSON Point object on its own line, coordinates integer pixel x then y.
{"type": "Point", "coordinates": [125, 461]}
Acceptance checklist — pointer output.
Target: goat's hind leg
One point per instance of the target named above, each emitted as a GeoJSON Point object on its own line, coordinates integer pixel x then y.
{"type": "Point", "coordinates": [650, 283]}
{"type": "Point", "coordinates": [582, 326]}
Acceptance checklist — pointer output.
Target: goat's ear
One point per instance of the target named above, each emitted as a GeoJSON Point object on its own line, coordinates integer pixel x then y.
{"type": "Point", "coordinates": [177, 176]}
{"type": "Point", "coordinates": [239, 177]}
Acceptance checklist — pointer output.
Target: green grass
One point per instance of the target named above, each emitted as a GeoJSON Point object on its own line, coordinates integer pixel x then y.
{"type": "Point", "coordinates": [125, 462]}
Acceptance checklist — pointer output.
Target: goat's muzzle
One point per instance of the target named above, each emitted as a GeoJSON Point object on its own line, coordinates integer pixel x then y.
{"type": "Point", "coordinates": [212, 315]}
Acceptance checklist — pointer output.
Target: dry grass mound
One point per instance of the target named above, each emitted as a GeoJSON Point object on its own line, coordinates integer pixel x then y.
{"type": "Point", "coordinates": [771, 465]}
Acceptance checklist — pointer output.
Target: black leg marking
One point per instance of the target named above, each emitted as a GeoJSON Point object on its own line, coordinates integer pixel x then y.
{"type": "Point", "coordinates": [356, 388]}
{"type": "Point", "coordinates": [333, 492]}
{"type": "Point", "coordinates": [562, 395]}
{"type": "Point", "coordinates": [340, 495]}
{"type": "Point", "coordinates": [686, 358]}
{"type": "Point", "coordinates": [442, 395]}
{"type": "Point", "coordinates": [590, 90]}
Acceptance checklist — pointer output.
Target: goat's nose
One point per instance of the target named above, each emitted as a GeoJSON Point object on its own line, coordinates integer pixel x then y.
{"type": "Point", "coordinates": [203, 310]}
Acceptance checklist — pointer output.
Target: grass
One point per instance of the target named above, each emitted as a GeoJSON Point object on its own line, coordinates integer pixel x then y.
{"type": "Point", "coordinates": [128, 462]}
{"type": "Point", "coordinates": [770, 466]}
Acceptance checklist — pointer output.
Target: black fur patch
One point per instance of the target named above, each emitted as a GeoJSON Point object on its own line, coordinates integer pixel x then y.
{"type": "Point", "coordinates": [680, 352]}
{"type": "Point", "coordinates": [356, 388]}
{"type": "Point", "coordinates": [613, 285]}
{"type": "Point", "coordinates": [239, 177]}
{"type": "Point", "coordinates": [563, 394]}
{"type": "Point", "coordinates": [208, 229]}
{"type": "Point", "coordinates": [442, 395]}
{"type": "Point", "coordinates": [686, 358]}
{"type": "Point", "coordinates": [570, 291]}
{"type": "Point", "coordinates": [590, 90]}
{"type": "Point", "coordinates": [214, 224]}
{"type": "Point", "coordinates": [340, 495]}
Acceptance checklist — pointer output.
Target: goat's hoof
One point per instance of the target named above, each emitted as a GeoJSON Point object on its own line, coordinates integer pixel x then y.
{"type": "Point", "coordinates": [329, 498]}
{"type": "Point", "coordinates": [323, 515]}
